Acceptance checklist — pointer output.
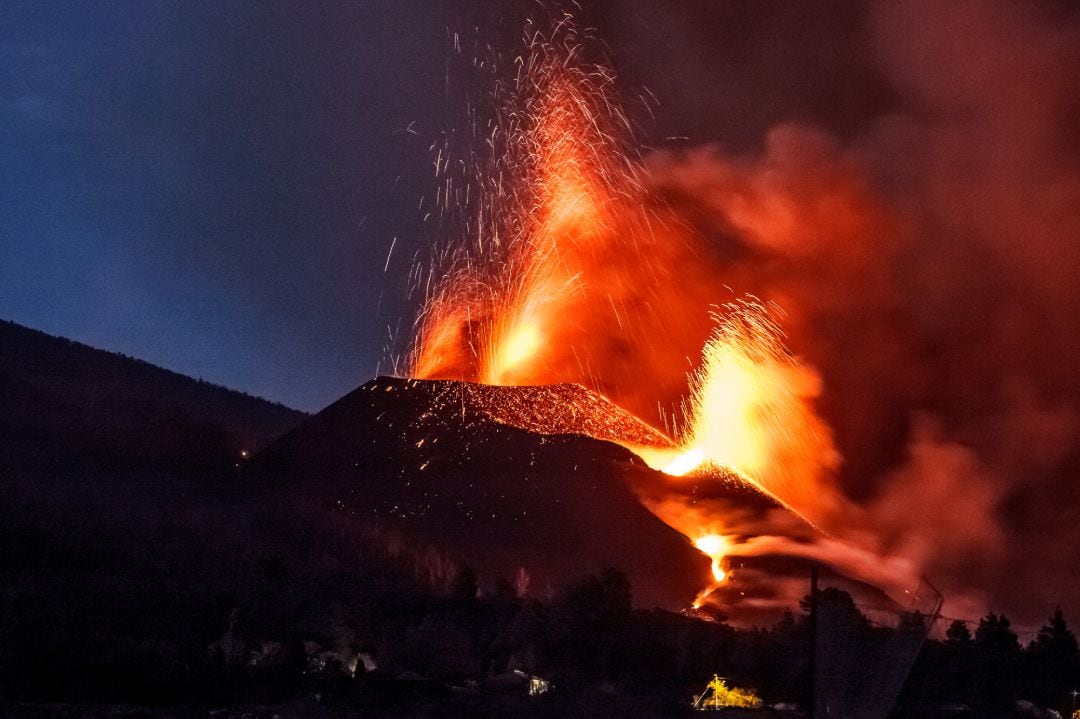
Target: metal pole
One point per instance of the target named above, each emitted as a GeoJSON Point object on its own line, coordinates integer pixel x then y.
{"type": "Point", "coordinates": [812, 664]}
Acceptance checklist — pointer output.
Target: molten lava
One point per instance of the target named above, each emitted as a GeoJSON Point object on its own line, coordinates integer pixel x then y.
{"type": "Point", "coordinates": [505, 310]}
{"type": "Point", "coordinates": [715, 546]}
{"type": "Point", "coordinates": [751, 410]}
{"type": "Point", "coordinates": [568, 277]}
{"type": "Point", "coordinates": [685, 461]}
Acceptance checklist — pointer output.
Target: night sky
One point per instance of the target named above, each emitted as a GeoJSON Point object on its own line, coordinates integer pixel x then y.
{"type": "Point", "coordinates": [215, 186]}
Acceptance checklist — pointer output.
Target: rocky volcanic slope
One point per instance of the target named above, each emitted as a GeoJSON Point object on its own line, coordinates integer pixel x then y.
{"type": "Point", "coordinates": [555, 409]}
{"type": "Point", "coordinates": [511, 478]}
{"type": "Point", "coordinates": [437, 462]}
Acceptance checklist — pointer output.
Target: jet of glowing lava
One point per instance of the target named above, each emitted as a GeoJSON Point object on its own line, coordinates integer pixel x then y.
{"type": "Point", "coordinates": [509, 301]}
{"type": "Point", "coordinates": [751, 408]}
{"type": "Point", "coordinates": [716, 546]}
{"type": "Point", "coordinates": [566, 278]}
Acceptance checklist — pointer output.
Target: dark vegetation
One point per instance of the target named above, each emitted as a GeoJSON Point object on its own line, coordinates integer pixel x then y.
{"type": "Point", "coordinates": [427, 461]}
{"type": "Point", "coordinates": [59, 396]}
{"type": "Point", "coordinates": [143, 564]}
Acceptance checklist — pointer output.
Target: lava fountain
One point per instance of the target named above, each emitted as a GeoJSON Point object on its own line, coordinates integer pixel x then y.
{"type": "Point", "coordinates": [503, 311]}
{"type": "Point", "coordinates": [751, 411]}
{"type": "Point", "coordinates": [566, 275]}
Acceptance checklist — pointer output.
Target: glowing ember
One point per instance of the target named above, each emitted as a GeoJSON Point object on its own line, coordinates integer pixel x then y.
{"type": "Point", "coordinates": [716, 546]}
{"type": "Point", "coordinates": [734, 395]}
{"type": "Point", "coordinates": [553, 287]}
{"type": "Point", "coordinates": [685, 463]}
{"type": "Point", "coordinates": [506, 305]}
{"type": "Point", "coordinates": [518, 347]}
{"type": "Point", "coordinates": [751, 408]}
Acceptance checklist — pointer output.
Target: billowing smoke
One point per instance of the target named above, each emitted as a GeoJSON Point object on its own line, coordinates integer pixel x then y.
{"type": "Point", "coordinates": [922, 247]}
{"type": "Point", "coordinates": [927, 264]}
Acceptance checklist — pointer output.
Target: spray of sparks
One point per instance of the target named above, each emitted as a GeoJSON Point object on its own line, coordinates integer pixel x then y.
{"type": "Point", "coordinates": [751, 410]}
{"type": "Point", "coordinates": [498, 312]}
{"type": "Point", "coordinates": [548, 214]}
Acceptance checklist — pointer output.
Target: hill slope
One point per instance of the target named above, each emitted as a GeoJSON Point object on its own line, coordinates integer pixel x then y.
{"type": "Point", "coordinates": [435, 461]}
{"type": "Point", "coordinates": [530, 478]}
{"type": "Point", "coordinates": [59, 395]}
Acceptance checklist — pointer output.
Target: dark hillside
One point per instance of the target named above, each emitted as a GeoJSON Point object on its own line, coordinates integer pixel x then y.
{"type": "Point", "coordinates": [127, 535]}
{"type": "Point", "coordinates": [61, 396]}
{"type": "Point", "coordinates": [436, 461]}
{"type": "Point", "coordinates": [367, 559]}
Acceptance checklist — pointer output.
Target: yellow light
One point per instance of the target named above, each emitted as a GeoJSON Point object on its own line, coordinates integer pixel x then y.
{"type": "Point", "coordinates": [716, 547]}
{"type": "Point", "coordinates": [520, 346]}
{"type": "Point", "coordinates": [686, 462]}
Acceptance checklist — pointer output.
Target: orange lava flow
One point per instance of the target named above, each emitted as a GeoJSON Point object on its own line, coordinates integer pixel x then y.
{"type": "Point", "coordinates": [565, 216]}
{"type": "Point", "coordinates": [500, 314]}
{"type": "Point", "coordinates": [558, 250]}
{"type": "Point", "coordinates": [751, 410]}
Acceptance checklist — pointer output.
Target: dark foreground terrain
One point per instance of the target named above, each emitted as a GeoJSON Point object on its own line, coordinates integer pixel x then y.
{"type": "Point", "coordinates": [149, 566]}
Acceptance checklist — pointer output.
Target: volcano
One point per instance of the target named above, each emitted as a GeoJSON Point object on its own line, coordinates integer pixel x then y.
{"type": "Point", "coordinates": [514, 481]}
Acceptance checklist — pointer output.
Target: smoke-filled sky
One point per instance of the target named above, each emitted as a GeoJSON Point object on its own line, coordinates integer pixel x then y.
{"type": "Point", "coordinates": [215, 186]}
{"type": "Point", "coordinates": [234, 190]}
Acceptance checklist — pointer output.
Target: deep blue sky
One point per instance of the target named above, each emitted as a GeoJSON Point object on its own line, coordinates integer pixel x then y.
{"type": "Point", "coordinates": [208, 186]}
{"type": "Point", "coordinates": [214, 186]}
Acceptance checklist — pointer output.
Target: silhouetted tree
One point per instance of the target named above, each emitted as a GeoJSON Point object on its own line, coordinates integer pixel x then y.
{"type": "Point", "coordinates": [1053, 662]}
{"type": "Point", "coordinates": [995, 635]}
{"type": "Point", "coordinates": [598, 600]}
{"type": "Point", "coordinates": [912, 622]}
{"type": "Point", "coordinates": [958, 633]}
{"type": "Point", "coordinates": [997, 658]}
{"type": "Point", "coordinates": [589, 622]}
{"type": "Point", "coordinates": [503, 590]}
{"type": "Point", "coordinates": [463, 586]}
{"type": "Point", "coordinates": [840, 603]}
